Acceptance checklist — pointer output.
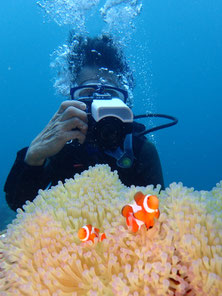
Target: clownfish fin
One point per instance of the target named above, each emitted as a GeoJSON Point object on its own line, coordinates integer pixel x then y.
{"type": "Point", "coordinates": [102, 237]}
{"type": "Point", "coordinates": [126, 210]}
{"type": "Point", "coordinates": [128, 219]}
{"type": "Point", "coordinates": [133, 225]}
{"type": "Point", "coordinates": [139, 197]}
{"type": "Point", "coordinates": [157, 214]}
{"type": "Point", "coordinates": [96, 231]}
{"type": "Point", "coordinates": [140, 215]}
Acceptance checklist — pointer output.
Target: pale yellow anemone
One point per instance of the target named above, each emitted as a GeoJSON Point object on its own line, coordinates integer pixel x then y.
{"type": "Point", "coordinates": [181, 255]}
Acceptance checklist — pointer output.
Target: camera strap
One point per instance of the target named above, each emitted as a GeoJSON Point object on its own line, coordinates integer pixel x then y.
{"type": "Point", "coordinates": [124, 158]}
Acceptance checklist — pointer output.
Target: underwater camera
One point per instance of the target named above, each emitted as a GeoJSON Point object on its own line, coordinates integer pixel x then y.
{"type": "Point", "coordinates": [109, 118]}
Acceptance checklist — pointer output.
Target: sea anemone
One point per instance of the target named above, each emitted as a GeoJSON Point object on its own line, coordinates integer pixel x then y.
{"type": "Point", "coordinates": [40, 253]}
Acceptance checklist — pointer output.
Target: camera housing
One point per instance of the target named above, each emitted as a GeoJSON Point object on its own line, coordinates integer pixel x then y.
{"type": "Point", "coordinates": [109, 118]}
{"type": "Point", "coordinates": [109, 121]}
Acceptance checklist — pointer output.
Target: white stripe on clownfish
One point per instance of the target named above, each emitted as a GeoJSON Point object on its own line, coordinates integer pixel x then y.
{"type": "Point", "coordinates": [135, 207]}
{"type": "Point", "coordinates": [146, 207]}
{"type": "Point", "coordinates": [93, 231]}
{"type": "Point", "coordinates": [87, 234]}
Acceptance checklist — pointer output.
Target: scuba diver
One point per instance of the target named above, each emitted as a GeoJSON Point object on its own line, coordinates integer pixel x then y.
{"type": "Point", "coordinates": [96, 126]}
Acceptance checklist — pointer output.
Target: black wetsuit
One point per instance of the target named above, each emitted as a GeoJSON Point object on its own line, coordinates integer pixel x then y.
{"type": "Point", "coordinates": [24, 181]}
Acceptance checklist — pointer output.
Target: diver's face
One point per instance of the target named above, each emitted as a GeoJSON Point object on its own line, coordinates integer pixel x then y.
{"type": "Point", "coordinates": [92, 80]}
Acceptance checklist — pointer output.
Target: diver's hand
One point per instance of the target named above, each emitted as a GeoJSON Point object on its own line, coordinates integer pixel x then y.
{"type": "Point", "coordinates": [68, 123]}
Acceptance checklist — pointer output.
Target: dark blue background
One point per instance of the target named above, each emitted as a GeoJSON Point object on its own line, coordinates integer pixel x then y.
{"type": "Point", "coordinates": [177, 49]}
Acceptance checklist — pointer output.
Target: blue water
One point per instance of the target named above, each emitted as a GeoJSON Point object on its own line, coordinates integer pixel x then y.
{"type": "Point", "coordinates": [180, 44]}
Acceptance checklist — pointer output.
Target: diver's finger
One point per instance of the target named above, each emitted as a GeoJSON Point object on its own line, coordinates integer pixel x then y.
{"type": "Point", "coordinates": [72, 112]}
{"type": "Point", "coordinates": [72, 135]}
{"type": "Point", "coordinates": [75, 123]}
{"type": "Point", "coordinates": [71, 103]}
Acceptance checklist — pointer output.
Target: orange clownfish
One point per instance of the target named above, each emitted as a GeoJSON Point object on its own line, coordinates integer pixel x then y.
{"type": "Point", "coordinates": [142, 211]}
{"type": "Point", "coordinates": [88, 232]}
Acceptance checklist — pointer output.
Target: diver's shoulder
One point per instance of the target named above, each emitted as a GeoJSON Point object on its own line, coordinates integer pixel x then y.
{"type": "Point", "coordinates": [142, 143]}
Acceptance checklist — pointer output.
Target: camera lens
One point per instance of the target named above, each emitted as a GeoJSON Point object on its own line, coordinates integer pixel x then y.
{"type": "Point", "coordinates": [109, 133]}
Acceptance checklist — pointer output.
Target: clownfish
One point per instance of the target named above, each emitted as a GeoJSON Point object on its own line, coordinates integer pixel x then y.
{"type": "Point", "coordinates": [142, 211]}
{"type": "Point", "coordinates": [88, 232]}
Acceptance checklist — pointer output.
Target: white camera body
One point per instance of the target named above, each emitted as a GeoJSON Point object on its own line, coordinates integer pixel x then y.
{"type": "Point", "coordinates": [111, 108]}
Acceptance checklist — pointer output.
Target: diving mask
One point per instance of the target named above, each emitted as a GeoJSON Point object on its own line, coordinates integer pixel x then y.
{"type": "Point", "coordinates": [97, 91]}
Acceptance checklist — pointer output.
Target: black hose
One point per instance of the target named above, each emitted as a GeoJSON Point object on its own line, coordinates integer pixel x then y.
{"type": "Point", "coordinates": [174, 121]}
